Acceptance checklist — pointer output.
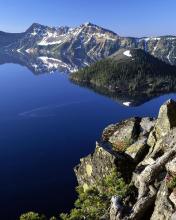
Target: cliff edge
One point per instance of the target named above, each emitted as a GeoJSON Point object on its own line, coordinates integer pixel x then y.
{"type": "Point", "coordinates": [131, 174]}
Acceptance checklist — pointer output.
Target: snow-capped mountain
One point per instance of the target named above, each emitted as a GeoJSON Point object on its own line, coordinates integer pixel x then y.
{"type": "Point", "coordinates": [78, 47]}
{"type": "Point", "coordinates": [84, 44]}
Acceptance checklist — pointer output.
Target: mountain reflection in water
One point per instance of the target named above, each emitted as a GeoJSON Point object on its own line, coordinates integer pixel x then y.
{"type": "Point", "coordinates": [42, 64]}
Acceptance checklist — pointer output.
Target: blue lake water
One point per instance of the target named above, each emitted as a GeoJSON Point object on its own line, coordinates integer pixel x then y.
{"type": "Point", "coordinates": [46, 125]}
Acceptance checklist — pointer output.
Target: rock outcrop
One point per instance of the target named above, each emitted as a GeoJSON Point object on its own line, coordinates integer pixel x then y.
{"type": "Point", "coordinates": [101, 163]}
{"type": "Point", "coordinates": [165, 122]}
{"type": "Point", "coordinates": [143, 150]}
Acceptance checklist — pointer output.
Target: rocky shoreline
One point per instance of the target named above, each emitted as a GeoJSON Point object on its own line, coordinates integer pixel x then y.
{"type": "Point", "coordinates": [143, 152]}
{"type": "Point", "coordinates": [131, 175]}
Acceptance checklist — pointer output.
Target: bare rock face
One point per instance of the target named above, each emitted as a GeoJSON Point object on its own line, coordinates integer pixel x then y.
{"type": "Point", "coordinates": [173, 217]}
{"type": "Point", "coordinates": [171, 166]}
{"type": "Point", "coordinates": [146, 125]}
{"type": "Point", "coordinates": [101, 163]}
{"type": "Point", "coordinates": [130, 136]}
{"type": "Point", "coordinates": [127, 130]}
{"type": "Point", "coordinates": [155, 175]}
{"type": "Point", "coordinates": [122, 145]}
{"type": "Point", "coordinates": [116, 208]}
{"type": "Point", "coordinates": [95, 166]}
{"type": "Point", "coordinates": [148, 162]}
{"type": "Point", "coordinates": [166, 118]}
{"type": "Point", "coordinates": [163, 207]}
{"type": "Point", "coordinates": [138, 149]}
{"type": "Point", "coordinates": [165, 122]}
{"type": "Point", "coordinates": [172, 197]}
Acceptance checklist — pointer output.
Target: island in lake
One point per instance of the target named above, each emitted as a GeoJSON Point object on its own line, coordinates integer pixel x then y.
{"type": "Point", "coordinates": [131, 173]}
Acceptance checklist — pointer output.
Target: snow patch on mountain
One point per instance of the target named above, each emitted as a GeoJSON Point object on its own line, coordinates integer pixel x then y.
{"type": "Point", "coordinates": [127, 53]}
{"type": "Point", "coordinates": [45, 43]}
{"type": "Point", "coordinates": [54, 64]}
{"type": "Point", "coordinates": [51, 62]}
{"type": "Point", "coordinates": [127, 103]}
{"type": "Point", "coordinates": [34, 33]}
{"type": "Point", "coordinates": [146, 39]}
{"type": "Point", "coordinates": [20, 50]}
{"type": "Point", "coordinates": [50, 38]}
{"type": "Point", "coordinates": [104, 36]}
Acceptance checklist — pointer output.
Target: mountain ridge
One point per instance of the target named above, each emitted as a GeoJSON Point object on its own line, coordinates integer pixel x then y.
{"type": "Point", "coordinates": [83, 45]}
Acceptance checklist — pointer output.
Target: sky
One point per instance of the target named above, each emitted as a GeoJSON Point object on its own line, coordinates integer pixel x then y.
{"type": "Point", "coordinates": [125, 17]}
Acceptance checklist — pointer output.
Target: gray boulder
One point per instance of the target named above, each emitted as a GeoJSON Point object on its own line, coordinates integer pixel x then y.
{"type": "Point", "coordinates": [163, 207]}
{"type": "Point", "coordinates": [100, 164]}
{"type": "Point", "coordinates": [165, 122]}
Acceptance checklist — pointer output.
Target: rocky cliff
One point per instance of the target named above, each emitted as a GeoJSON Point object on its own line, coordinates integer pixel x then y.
{"type": "Point", "coordinates": [142, 154]}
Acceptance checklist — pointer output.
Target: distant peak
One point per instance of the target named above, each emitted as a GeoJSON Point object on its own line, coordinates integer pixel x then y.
{"type": "Point", "coordinates": [89, 24]}
{"type": "Point", "coordinates": [36, 25]}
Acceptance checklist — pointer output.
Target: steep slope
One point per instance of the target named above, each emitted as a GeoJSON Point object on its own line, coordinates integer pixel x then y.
{"type": "Point", "coordinates": [132, 71]}
{"type": "Point", "coordinates": [131, 175]}
{"type": "Point", "coordinates": [83, 45]}
{"type": "Point", "coordinates": [163, 47]}
{"type": "Point", "coordinates": [34, 34]}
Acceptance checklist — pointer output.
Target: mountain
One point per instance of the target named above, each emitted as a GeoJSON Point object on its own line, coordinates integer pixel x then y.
{"type": "Point", "coordinates": [77, 46]}
{"type": "Point", "coordinates": [81, 46]}
{"type": "Point", "coordinates": [163, 47]}
{"type": "Point", "coordinates": [132, 73]}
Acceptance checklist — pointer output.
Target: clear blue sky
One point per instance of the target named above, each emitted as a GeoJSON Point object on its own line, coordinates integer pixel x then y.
{"type": "Point", "coordinates": [125, 17]}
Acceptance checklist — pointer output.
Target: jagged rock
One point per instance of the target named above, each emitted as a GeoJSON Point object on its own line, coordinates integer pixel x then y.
{"type": "Point", "coordinates": [116, 209]}
{"type": "Point", "coordinates": [145, 182]}
{"type": "Point", "coordinates": [147, 176]}
{"type": "Point", "coordinates": [172, 197]}
{"type": "Point", "coordinates": [130, 136]}
{"type": "Point", "coordinates": [109, 131]}
{"type": "Point", "coordinates": [163, 208]}
{"type": "Point", "coordinates": [138, 150]}
{"type": "Point", "coordinates": [143, 204]}
{"type": "Point", "coordinates": [166, 119]}
{"type": "Point", "coordinates": [171, 167]}
{"type": "Point", "coordinates": [173, 217]}
{"type": "Point", "coordinates": [101, 163]}
{"type": "Point", "coordinates": [147, 172]}
{"type": "Point", "coordinates": [122, 134]}
{"type": "Point", "coordinates": [146, 125]}
{"type": "Point", "coordinates": [162, 145]}
{"type": "Point", "coordinates": [165, 122]}
{"type": "Point", "coordinates": [150, 173]}
{"type": "Point", "coordinates": [94, 167]}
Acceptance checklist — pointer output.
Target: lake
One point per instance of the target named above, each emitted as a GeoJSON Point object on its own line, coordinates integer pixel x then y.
{"type": "Point", "coordinates": [46, 125]}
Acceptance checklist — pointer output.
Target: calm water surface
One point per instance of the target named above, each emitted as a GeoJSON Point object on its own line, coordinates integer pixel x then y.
{"type": "Point", "coordinates": [46, 125]}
